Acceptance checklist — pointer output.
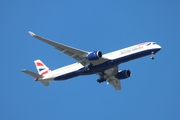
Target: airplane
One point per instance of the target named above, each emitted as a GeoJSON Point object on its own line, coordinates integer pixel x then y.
{"type": "Point", "coordinates": [104, 65]}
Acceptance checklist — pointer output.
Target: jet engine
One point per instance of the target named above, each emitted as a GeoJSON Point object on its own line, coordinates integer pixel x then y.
{"type": "Point", "coordinates": [123, 74]}
{"type": "Point", "coordinates": [95, 55]}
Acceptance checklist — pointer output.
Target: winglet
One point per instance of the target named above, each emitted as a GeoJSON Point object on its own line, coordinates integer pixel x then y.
{"type": "Point", "coordinates": [31, 33]}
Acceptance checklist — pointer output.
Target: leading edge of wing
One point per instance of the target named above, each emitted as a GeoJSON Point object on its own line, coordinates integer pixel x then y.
{"type": "Point", "coordinates": [58, 46]}
{"type": "Point", "coordinates": [77, 54]}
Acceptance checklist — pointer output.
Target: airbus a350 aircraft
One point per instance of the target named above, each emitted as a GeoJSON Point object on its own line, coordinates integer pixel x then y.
{"type": "Point", "coordinates": [106, 66]}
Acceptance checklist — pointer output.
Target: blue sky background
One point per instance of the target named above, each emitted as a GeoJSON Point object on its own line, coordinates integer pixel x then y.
{"type": "Point", "coordinates": [153, 91]}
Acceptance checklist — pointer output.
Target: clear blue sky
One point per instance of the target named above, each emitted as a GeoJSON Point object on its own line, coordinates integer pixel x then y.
{"type": "Point", "coordinates": [153, 91]}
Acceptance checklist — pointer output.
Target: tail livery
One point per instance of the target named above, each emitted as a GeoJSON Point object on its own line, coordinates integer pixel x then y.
{"type": "Point", "coordinates": [41, 67]}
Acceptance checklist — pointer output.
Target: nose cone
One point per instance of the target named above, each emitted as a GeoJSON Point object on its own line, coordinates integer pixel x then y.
{"type": "Point", "coordinates": [159, 47]}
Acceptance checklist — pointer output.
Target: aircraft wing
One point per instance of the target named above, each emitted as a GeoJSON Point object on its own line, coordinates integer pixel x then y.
{"type": "Point", "coordinates": [115, 82]}
{"type": "Point", "coordinates": [75, 53]}
{"type": "Point", "coordinates": [109, 75]}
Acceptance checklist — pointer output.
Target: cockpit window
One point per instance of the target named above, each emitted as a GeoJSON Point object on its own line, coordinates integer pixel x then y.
{"type": "Point", "coordinates": [154, 43]}
{"type": "Point", "coordinates": [148, 44]}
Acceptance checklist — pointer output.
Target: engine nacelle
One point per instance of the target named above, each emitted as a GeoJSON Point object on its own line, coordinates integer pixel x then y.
{"type": "Point", "coordinates": [95, 55]}
{"type": "Point", "coordinates": [123, 74]}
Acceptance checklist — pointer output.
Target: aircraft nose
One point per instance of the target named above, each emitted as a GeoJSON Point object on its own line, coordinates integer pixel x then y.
{"type": "Point", "coordinates": [159, 47]}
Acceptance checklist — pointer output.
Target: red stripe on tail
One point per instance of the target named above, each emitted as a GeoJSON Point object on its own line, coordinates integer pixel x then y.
{"type": "Point", "coordinates": [45, 72]}
{"type": "Point", "coordinates": [39, 64]}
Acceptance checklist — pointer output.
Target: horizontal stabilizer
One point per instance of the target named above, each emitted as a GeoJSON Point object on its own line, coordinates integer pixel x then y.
{"type": "Point", "coordinates": [45, 83]}
{"type": "Point", "coordinates": [35, 75]}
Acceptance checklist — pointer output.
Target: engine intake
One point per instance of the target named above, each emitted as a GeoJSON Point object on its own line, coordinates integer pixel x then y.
{"type": "Point", "coordinates": [123, 74]}
{"type": "Point", "coordinates": [95, 55]}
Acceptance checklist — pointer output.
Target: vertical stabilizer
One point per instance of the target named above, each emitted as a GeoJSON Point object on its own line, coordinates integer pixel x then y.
{"type": "Point", "coordinates": [41, 67]}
